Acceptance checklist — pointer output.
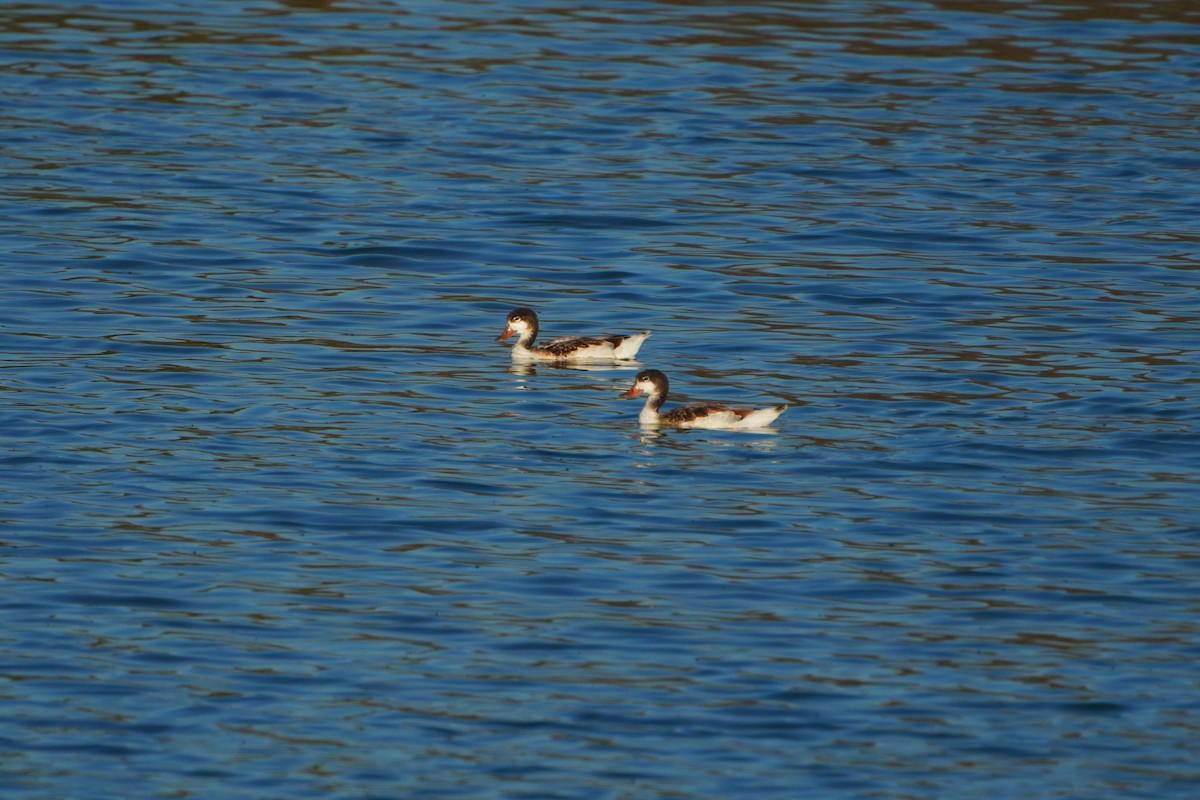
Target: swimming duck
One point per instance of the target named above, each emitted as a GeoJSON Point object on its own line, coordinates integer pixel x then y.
{"type": "Point", "coordinates": [524, 323]}
{"type": "Point", "coordinates": [698, 415]}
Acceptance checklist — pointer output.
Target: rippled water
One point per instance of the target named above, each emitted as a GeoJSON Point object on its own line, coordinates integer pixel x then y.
{"type": "Point", "coordinates": [280, 519]}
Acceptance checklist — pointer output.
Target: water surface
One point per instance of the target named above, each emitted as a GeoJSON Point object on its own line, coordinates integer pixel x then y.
{"type": "Point", "coordinates": [282, 520]}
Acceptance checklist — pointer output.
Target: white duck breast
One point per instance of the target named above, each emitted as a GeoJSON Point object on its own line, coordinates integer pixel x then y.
{"type": "Point", "coordinates": [713, 416]}
{"type": "Point", "coordinates": [523, 322]}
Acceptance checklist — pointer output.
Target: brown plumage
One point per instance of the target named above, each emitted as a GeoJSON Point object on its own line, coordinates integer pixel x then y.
{"type": "Point", "coordinates": [695, 411]}
{"type": "Point", "coordinates": [567, 345]}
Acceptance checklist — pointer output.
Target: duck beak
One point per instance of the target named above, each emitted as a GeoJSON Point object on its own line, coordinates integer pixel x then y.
{"type": "Point", "coordinates": [634, 391]}
{"type": "Point", "coordinates": [508, 331]}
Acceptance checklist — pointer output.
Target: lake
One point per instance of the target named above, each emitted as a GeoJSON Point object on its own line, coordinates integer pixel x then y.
{"type": "Point", "coordinates": [281, 518]}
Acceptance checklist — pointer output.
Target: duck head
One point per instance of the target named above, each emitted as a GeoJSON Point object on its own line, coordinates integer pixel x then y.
{"type": "Point", "coordinates": [651, 381]}
{"type": "Point", "coordinates": [520, 321]}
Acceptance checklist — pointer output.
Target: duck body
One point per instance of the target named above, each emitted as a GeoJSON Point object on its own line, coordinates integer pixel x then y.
{"type": "Point", "coordinates": [524, 323]}
{"type": "Point", "coordinates": [707, 415]}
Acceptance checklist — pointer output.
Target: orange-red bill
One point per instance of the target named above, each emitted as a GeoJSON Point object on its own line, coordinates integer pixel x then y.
{"type": "Point", "coordinates": [507, 333]}
{"type": "Point", "coordinates": [634, 391]}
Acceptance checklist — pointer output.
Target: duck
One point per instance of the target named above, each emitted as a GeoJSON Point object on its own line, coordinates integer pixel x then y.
{"type": "Point", "coordinates": [524, 323]}
{"type": "Point", "coordinates": [709, 415]}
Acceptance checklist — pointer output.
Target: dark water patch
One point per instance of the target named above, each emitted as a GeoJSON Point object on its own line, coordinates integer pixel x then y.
{"type": "Point", "coordinates": [584, 221]}
{"type": "Point", "coordinates": [125, 601]}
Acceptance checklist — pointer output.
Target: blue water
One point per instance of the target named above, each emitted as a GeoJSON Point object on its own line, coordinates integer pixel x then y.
{"type": "Point", "coordinates": [280, 518]}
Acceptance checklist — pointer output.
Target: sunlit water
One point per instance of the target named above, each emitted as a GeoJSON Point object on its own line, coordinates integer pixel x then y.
{"type": "Point", "coordinates": [280, 519]}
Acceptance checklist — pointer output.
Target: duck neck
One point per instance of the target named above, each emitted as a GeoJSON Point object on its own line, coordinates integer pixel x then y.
{"type": "Point", "coordinates": [650, 414]}
{"type": "Point", "coordinates": [525, 340]}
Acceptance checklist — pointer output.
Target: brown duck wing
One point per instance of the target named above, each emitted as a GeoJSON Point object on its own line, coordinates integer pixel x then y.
{"type": "Point", "coordinates": [696, 411]}
{"type": "Point", "coordinates": [569, 344]}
